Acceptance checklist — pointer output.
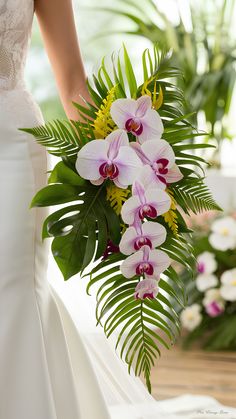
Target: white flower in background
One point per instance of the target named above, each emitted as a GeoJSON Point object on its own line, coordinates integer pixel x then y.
{"type": "Point", "coordinates": [228, 288]}
{"type": "Point", "coordinates": [205, 281]}
{"type": "Point", "coordinates": [213, 302]}
{"type": "Point", "coordinates": [223, 236]}
{"type": "Point", "coordinates": [191, 317]}
{"type": "Point", "coordinates": [206, 263]}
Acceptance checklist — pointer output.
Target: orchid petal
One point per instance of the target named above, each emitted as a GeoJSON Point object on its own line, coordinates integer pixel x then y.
{"type": "Point", "coordinates": [128, 267]}
{"type": "Point", "coordinates": [139, 190]}
{"type": "Point", "coordinates": [159, 260]}
{"type": "Point", "coordinates": [158, 149]}
{"type": "Point", "coordinates": [97, 182]}
{"type": "Point", "coordinates": [155, 232]}
{"type": "Point", "coordinates": [137, 148]}
{"type": "Point", "coordinates": [206, 263]}
{"type": "Point", "coordinates": [122, 110]}
{"type": "Point", "coordinates": [127, 241]}
{"type": "Point", "coordinates": [143, 103]}
{"type": "Point", "coordinates": [228, 292]}
{"type": "Point", "coordinates": [128, 164]}
{"type": "Point", "coordinates": [221, 242]}
{"type": "Point", "coordinates": [228, 276]}
{"type": "Point", "coordinates": [129, 209]}
{"type": "Point", "coordinates": [225, 223]}
{"type": "Point", "coordinates": [118, 184]}
{"type": "Point", "coordinates": [90, 158]}
{"type": "Point", "coordinates": [159, 199]}
{"type": "Point", "coordinates": [174, 174]}
{"type": "Point", "coordinates": [152, 126]}
{"type": "Point", "coordinates": [148, 178]}
{"type": "Point", "coordinates": [203, 282]}
{"type": "Point", "coordinates": [147, 288]}
{"type": "Point", "coordinates": [116, 139]}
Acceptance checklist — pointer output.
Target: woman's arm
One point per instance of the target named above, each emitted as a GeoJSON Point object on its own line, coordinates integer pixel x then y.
{"type": "Point", "coordinates": [57, 25]}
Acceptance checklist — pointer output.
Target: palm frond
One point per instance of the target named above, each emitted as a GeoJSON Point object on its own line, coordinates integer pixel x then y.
{"type": "Point", "coordinates": [195, 197]}
{"type": "Point", "coordinates": [60, 138]}
{"type": "Point", "coordinates": [139, 322]}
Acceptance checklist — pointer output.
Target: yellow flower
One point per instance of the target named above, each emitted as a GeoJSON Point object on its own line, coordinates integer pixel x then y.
{"type": "Point", "coordinates": [171, 217]}
{"type": "Point", "coordinates": [156, 100]}
{"type": "Point", "coordinates": [117, 196]}
{"type": "Point", "coordinates": [103, 124]}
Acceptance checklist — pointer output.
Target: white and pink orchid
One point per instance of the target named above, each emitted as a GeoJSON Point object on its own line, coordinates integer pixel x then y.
{"type": "Point", "coordinates": [145, 203]}
{"type": "Point", "coordinates": [137, 117]}
{"type": "Point", "coordinates": [150, 263]}
{"type": "Point", "coordinates": [213, 302]}
{"type": "Point", "coordinates": [223, 236]}
{"type": "Point", "coordinates": [111, 158]}
{"type": "Point", "coordinates": [191, 317]}
{"type": "Point", "coordinates": [159, 163]}
{"type": "Point", "coordinates": [214, 309]}
{"type": "Point", "coordinates": [206, 263]}
{"type": "Point", "coordinates": [228, 287]}
{"type": "Point", "coordinates": [206, 281]}
{"type": "Point", "coordinates": [138, 235]}
{"type": "Point", "coordinates": [147, 288]}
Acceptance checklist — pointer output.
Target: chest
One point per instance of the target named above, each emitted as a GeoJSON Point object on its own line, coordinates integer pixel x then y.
{"type": "Point", "coordinates": [16, 15]}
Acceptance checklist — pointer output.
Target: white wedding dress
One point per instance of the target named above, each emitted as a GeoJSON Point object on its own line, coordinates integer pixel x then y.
{"type": "Point", "coordinates": [48, 369]}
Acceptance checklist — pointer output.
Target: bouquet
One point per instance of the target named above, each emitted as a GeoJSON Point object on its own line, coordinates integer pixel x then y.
{"type": "Point", "coordinates": [211, 314]}
{"type": "Point", "coordinates": [127, 167]}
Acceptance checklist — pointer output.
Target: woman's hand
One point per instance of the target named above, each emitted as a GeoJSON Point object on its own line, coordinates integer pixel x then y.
{"type": "Point", "coordinates": [59, 33]}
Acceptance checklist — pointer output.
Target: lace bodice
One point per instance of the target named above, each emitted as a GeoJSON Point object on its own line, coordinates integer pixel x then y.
{"type": "Point", "coordinates": [15, 28]}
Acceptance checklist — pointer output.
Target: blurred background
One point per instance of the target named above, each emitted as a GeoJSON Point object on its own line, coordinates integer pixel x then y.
{"type": "Point", "coordinates": [202, 38]}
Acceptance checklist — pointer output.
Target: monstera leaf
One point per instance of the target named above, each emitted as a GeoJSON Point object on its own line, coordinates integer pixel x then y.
{"type": "Point", "coordinates": [77, 228]}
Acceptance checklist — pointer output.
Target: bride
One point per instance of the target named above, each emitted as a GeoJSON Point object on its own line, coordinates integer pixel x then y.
{"type": "Point", "coordinates": [48, 370]}
{"type": "Point", "coordinates": [45, 370]}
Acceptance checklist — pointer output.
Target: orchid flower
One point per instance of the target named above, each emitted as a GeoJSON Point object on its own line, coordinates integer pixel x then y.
{"type": "Point", "coordinates": [111, 158]}
{"type": "Point", "coordinates": [191, 317]}
{"type": "Point", "coordinates": [137, 117]}
{"type": "Point", "coordinates": [205, 281]}
{"type": "Point", "coordinates": [223, 236]}
{"type": "Point", "coordinates": [214, 309]}
{"type": "Point", "coordinates": [213, 302]}
{"type": "Point", "coordinates": [159, 163]}
{"type": "Point", "coordinates": [147, 288]}
{"type": "Point", "coordinates": [135, 237]}
{"type": "Point", "coordinates": [149, 203]}
{"type": "Point", "coordinates": [228, 288]}
{"type": "Point", "coordinates": [206, 263]}
{"type": "Point", "coordinates": [145, 262]}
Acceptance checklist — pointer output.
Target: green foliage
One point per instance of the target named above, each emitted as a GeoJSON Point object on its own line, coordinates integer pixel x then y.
{"type": "Point", "coordinates": [205, 52]}
{"type": "Point", "coordinates": [82, 230]}
{"type": "Point", "coordinates": [138, 342]}
{"type": "Point", "coordinates": [62, 138]}
{"type": "Point", "coordinates": [77, 228]}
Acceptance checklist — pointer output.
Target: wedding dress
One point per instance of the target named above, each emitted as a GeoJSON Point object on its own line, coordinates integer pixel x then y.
{"type": "Point", "coordinates": [49, 368]}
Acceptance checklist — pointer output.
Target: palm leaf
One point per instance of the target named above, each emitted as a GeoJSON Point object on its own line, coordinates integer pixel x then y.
{"type": "Point", "coordinates": [195, 197]}
{"type": "Point", "coordinates": [139, 344]}
{"type": "Point", "coordinates": [60, 139]}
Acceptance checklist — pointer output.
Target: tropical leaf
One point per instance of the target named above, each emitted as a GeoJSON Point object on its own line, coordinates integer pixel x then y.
{"type": "Point", "coordinates": [78, 228]}
{"type": "Point", "coordinates": [195, 197]}
{"type": "Point", "coordinates": [62, 139]}
{"type": "Point", "coordinates": [139, 322]}
{"type": "Point", "coordinates": [210, 91]}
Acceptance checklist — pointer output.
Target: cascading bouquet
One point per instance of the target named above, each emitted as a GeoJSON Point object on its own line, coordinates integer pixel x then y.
{"type": "Point", "coordinates": [127, 167]}
{"type": "Point", "coordinates": [211, 314]}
